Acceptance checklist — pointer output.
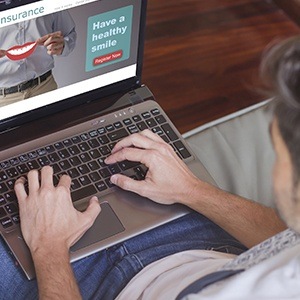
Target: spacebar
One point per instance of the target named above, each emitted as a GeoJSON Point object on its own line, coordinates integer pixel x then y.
{"type": "Point", "coordinates": [89, 190]}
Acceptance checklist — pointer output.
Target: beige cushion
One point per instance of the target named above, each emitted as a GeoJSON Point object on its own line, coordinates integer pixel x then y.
{"type": "Point", "coordinates": [237, 152]}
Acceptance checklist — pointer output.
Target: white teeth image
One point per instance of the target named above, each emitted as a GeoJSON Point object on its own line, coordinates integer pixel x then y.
{"type": "Point", "coordinates": [21, 50]}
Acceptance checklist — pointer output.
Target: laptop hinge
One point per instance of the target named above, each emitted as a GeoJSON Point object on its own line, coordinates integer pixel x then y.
{"type": "Point", "coordinates": [134, 98]}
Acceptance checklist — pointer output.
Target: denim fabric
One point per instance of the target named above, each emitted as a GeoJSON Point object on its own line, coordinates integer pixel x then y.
{"type": "Point", "coordinates": [103, 275]}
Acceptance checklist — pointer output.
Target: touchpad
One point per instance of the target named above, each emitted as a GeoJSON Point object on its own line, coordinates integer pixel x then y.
{"type": "Point", "coordinates": [106, 225]}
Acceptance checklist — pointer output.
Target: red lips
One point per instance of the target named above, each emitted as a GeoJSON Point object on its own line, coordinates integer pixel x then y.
{"type": "Point", "coordinates": [21, 51]}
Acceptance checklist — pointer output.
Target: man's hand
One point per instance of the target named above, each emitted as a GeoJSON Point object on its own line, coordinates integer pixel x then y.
{"type": "Point", "coordinates": [48, 217]}
{"type": "Point", "coordinates": [168, 179]}
{"type": "Point", "coordinates": [2, 53]}
{"type": "Point", "coordinates": [54, 42]}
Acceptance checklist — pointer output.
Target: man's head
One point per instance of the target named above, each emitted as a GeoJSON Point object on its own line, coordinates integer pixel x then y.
{"type": "Point", "coordinates": [281, 72]}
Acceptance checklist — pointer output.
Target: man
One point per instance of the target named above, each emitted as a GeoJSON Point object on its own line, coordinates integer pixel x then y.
{"type": "Point", "coordinates": [27, 51]}
{"type": "Point", "coordinates": [171, 261]}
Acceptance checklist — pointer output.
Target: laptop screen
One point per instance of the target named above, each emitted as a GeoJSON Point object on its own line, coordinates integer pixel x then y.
{"type": "Point", "coordinates": [56, 54]}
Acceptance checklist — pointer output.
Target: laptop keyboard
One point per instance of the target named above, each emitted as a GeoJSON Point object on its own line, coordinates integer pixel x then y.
{"type": "Point", "coordinates": [82, 158]}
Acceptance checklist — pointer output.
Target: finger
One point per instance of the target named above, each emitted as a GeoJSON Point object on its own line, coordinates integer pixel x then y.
{"type": "Point", "coordinates": [137, 140]}
{"type": "Point", "coordinates": [151, 135]}
{"type": "Point", "coordinates": [42, 39]}
{"type": "Point", "coordinates": [92, 210]}
{"type": "Point", "coordinates": [20, 188]}
{"type": "Point", "coordinates": [47, 176]}
{"type": "Point", "coordinates": [65, 180]}
{"type": "Point", "coordinates": [33, 181]}
{"type": "Point", "coordinates": [132, 154]}
{"type": "Point", "coordinates": [128, 184]}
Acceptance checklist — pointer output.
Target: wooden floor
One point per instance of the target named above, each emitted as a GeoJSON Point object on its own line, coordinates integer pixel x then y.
{"type": "Point", "coordinates": [202, 57]}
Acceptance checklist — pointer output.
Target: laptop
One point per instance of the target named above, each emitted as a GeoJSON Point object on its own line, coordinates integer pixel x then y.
{"type": "Point", "coordinates": [99, 99]}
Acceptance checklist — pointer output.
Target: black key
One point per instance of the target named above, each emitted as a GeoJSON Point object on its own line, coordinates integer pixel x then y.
{"type": "Point", "coordinates": [151, 122]}
{"type": "Point", "coordinates": [73, 173]}
{"type": "Point", "coordinates": [169, 132]}
{"type": "Point", "coordinates": [111, 145]}
{"type": "Point", "coordinates": [75, 184]}
{"type": "Point", "coordinates": [93, 165]}
{"type": "Point", "coordinates": [16, 218]}
{"type": "Point", "coordinates": [136, 118]}
{"type": "Point", "coordinates": [42, 152]}
{"type": "Point", "coordinates": [22, 169]}
{"type": "Point", "coordinates": [101, 130]}
{"type": "Point", "coordinates": [83, 169]}
{"type": "Point", "coordinates": [59, 145]}
{"type": "Point", "coordinates": [94, 143]}
{"type": "Point", "coordinates": [6, 222]}
{"type": "Point", "coordinates": [101, 186]}
{"type": "Point", "coordinates": [56, 168]}
{"type": "Point", "coordinates": [64, 153]}
{"type": "Point", "coordinates": [3, 188]}
{"type": "Point", "coordinates": [75, 161]}
{"type": "Point", "coordinates": [95, 176]}
{"type": "Point", "coordinates": [118, 125]}
{"type": "Point", "coordinates": [103, 140]}
{"type": "Point", "coordinates": [127, 122]}
{"type": "Point", "coordinates": [84, 180]}
{"type": "Point", "coordinates": [32, 154]}
{"type": "Point", "coordinates": [101, 162]}
{"type": "Point", "coordinates": [93, 133]}
{"type": "Point", "coordinates": [11, 208]}
{"type": "Point", "coordinates": [33, 165]}
{"type": "Point", "coordinates": [109, 128]}
{"type": "Point", "coordinates": [64, 165]}
{"type": "Point", "coordinates": [126, 164]}
{"type": "Point", "coordinates": [140, 173]}
{"type": "Point", "coordinates": [76, 139]}
{"type": "Point", "coordinates": [10, 196]}
{"type": "Point", "coordinates": [2, 212]}
{"type": "Point", "coordinates": [114, 169]}
{"type": "Point", "coordinates": [5, 164]}
{"type": "Point", "coordinates": [104, 150]}
{"type": "Point", "coordinates": [2, 201]}
{"type": "Point", "coordinates": [50, 149]}
{"type": "Point", "coordinates": [74, 150]}
{"type": "Point", "coordinates": [10, 184]}
{"type": "Point", "coordinates": [155, 111]}
{"type": "Point", "coordinates": [67, 142]}
{"type": "Point", "coordinates": [105, 173]}
{"type": "Point", "coordinates": [23, 158]}
{"type": "Point", "coordinates": [157, 130]}
{"type": "Point", "coordinates": [146, 115]}
{"type": "Point", "coordinates": [12, 172]}
{"type": "Point", "coordinates": [118, 134]}
{"type": "Point", "coordinates": [3, 176]}
{"type": "Point", "coordinates": [54, 157]}
{"type": "Point", "coordinates": [14, 161]}
{"type": "Point", "coordinates": [133, 129]}
{"type": "Point", "coordinates": [142, 126]}
{"type": "Point", "coordinates": [160, 119]}
{"type": "Point", "coordinates": [84, 192]}
{"type": "Point", "coordinates": [94, 153]}
{"type": "Point", "coordinates": [43, 161]}
{"type": "Point", "coordinates": [85, 157]}
{"type": "Point", "coordinates": [182, 149]}
{"type": "Point", "coordinates": [84, 136]}
{"type": "Point", "coordinates": [84, 147]}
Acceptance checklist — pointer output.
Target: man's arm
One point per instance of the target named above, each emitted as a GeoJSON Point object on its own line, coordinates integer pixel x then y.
{"type": "Point", "coordinates": [247, 221]}
{"type": "Point", "coordinates": [51, 225]}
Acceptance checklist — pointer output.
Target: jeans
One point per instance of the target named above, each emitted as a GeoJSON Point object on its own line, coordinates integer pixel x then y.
{"type": "Point", "coordinates": [103, 275]}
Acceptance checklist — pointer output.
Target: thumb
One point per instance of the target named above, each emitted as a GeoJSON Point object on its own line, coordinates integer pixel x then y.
{"type": "Point", "coordinates": [92, 210]}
